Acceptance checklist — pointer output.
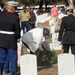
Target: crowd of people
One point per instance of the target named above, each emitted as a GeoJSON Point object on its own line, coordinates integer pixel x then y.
{"type": "Point", "coordinates": [11, 24]}
{"type": "Point", "coordinates": [10, 32]}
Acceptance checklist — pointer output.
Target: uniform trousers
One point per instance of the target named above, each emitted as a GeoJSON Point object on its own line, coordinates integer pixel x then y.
{"type": "Point", "coordinates": [66, 48]}
{"type": "Point", "coordinates": [12, 59]}
{"type": "Point", "coordinates": [6, 65]}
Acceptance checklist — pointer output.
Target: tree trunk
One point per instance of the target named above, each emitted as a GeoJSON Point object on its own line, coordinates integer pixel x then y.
{"type": "Point", "coordinates": [70, 2]}
{"type": "Point", "coordinates": [46, 3]}
{"type": "Point", "coordinates": [66, 2]}
{"type": "Point", "coordinates": [51, 1]}
{"type": "Point", "coordinates": [41, 6]}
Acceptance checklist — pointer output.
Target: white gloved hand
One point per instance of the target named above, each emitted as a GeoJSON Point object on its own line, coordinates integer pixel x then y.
{"type": "Point", "coordinates": [18, 40]}
{"type": "Point", "coordinates": [59, 42]}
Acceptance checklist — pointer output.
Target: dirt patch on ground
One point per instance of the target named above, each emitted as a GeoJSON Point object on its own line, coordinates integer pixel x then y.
{"type": "Point", "coordinates": [48, 70]}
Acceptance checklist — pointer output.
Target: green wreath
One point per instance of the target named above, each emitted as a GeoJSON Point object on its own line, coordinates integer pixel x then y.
{"type": "Point", "coordinates": [48, 57]}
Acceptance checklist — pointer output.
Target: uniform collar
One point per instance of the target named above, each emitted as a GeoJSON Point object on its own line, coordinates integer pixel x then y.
{"type": "Point", "coordinates": [70, 15]}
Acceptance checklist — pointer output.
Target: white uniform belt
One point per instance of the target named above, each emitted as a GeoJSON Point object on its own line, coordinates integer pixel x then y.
{"type": "Point", "coordinates": [6, 32]}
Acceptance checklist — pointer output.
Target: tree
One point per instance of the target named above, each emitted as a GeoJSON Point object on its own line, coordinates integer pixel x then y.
{"type": "Point", "coordinates": [66, 2]}
{"type": "Point", "coordinates": [70, 2]}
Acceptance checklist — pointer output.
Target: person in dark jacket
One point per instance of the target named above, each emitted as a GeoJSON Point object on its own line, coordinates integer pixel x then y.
{"type": "Point", "coordinates": [67, 31]}
{"type": "Point", "coordinates": [7, 63]}
{"type": "Point", "coordinates": [9, 33]}
{"type": "Point", "coordinates": [32, 19]}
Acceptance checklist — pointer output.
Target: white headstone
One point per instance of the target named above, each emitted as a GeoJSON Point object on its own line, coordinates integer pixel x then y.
{"type": "Point", "coordinates": [28, 64]}
{"type": "Point", "coordinates": [43, 18]}
{"type": "Point", "coordinates": [19, 50]}
{"type": "Point", "coordinates": [21, 32]}
{"type": "Point", "coordinates": [28, 50]}
{"type": "Point", "coordinates": [61, 15]}
{"type": "Point", "coordinates": [50, 45]}
{"type": "Point", "coordinates": [66, 64]}
{"type": "Point", "coordinates": [43, 39]}
{"type": "Point", "coordinates": [52, 26]}
{"type": "Point", "coordinates": [55, 42]}
{"type": "Point", "coordinates": [39, 25]}
{"type": "Point", "coordinates": [70, 50]}
{"type": "Point", "coordinates": [52, 29]}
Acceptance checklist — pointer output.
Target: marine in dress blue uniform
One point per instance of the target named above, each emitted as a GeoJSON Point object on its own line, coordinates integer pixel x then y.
{"type": "Point", "coordinates": [9, 33]}
{"type": "Point", "coordinates": [67, 31]}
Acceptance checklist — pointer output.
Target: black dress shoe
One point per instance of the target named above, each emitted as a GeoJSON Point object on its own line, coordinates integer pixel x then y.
{"type": "Point", "coordinates": [7, 72]}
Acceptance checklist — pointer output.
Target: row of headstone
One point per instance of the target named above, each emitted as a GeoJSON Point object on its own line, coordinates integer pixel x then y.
{"type": "Point", "coordinates": [28, 62]}
{"type": "Point", "coordinates": [53, 27]}
{"type": "Point", "coordinates": [43, 18]}
{"type": "Point", "coordinates": [66, 64]}
{"type": "Point", "coordinates": [54, 24]}
{"type": "Point", "coordinates": [54, 43]}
